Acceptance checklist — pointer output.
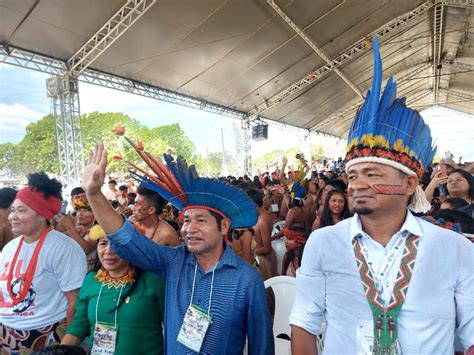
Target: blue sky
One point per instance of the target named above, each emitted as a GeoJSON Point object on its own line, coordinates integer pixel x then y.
{"type": "Point", "coordinates": [23, 100]}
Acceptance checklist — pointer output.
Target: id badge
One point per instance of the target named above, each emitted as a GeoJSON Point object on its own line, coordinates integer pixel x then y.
{"type": "Point", "coordinates": [194, 328]}
{"type": "Point", "coordinates": [105, 337]}
{"type": "Point", "coordinates": [274, 207]}
{"type": "Point", "coordinates": [365, 337]}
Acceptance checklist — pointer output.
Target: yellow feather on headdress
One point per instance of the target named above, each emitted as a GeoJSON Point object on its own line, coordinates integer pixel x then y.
{"type": "Point", "coordinates": [399, 147]}
{"type": "Point", "coordinates": [380, 141]}
{"type": "Point", "coordinates": [367, 140]}
{"type": "Point", "coordinates": [352, 144]}
{"type": "Point", "coordinates": [96, 232]}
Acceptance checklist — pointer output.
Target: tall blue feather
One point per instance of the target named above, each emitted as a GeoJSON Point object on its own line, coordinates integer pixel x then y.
{"type": "Point", "coordinates": [389, 117]}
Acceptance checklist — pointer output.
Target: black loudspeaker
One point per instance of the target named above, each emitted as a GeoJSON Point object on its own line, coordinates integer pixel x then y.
{"type": "Point", "coordinates": [260, 132]}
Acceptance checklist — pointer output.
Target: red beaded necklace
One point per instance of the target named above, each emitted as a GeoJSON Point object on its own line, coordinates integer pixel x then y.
{"type": "Point", "coordinates": [30, 271]}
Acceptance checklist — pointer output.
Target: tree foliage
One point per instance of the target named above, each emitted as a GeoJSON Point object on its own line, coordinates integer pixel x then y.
{"type": "Point", "coordinates": [38, 149]}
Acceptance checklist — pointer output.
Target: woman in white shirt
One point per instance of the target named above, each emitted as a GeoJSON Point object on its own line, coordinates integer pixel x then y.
{"type": "Point", "coordinates": [41, 270]}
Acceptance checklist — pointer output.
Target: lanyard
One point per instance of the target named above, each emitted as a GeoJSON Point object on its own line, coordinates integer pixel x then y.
{"type": "Point", "coordinates": [30, 271]}
{"type": "Point", "coordinates": [389, 260]}
{"type": "Point", "coordinates": [97, 305]}
{"type": "Point", "coordinates": [212, 288]}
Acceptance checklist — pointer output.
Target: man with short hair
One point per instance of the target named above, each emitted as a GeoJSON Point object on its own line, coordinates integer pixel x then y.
{"type": "Point", "coordinates": [214, 300]}
{"type": "Point", "coordinates": [386, 282]}
{"type": "Point", "coordinates": [146, 211]}
{"type": "Point", "coordinates": [112, 194]}
{"type": "Point", "coordinates": [122, 199]}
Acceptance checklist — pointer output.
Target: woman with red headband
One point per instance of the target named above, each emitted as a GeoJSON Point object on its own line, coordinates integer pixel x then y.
{"type": "Point", "coordinates": [41, 271]}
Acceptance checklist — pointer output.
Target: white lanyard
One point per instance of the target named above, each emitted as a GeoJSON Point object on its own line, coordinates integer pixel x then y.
{"type": "Point", "coordinates": [379, 277]}
{"type": "Point", "coordinates": [212, 287]}
{"type": "Point", "coordinates": [97, 305]}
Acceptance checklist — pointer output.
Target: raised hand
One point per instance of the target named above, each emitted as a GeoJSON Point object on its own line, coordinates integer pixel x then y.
{"type": "Point", "coordinates": [94, 173]}
{"type": "Point", "coordinates": [439, 179]}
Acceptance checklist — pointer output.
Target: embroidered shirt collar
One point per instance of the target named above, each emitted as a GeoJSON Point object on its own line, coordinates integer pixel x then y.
{"type": "Point", "coordinates": [410, 225]}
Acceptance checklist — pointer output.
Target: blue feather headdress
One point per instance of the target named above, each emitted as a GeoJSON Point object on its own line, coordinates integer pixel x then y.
{"type": "Point", "coordinates": [388, 132]}
{"type": "Point", "coordinates": [298, 188]}
{"type": "Point", "coordinates": [182, 187]}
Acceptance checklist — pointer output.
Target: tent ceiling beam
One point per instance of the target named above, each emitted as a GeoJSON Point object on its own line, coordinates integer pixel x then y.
{"type": "Point", "coordinates": [438, 13]}
{"type": "Point", "coordinates": [115, 27]}
{"type": "Point", "coordinates": [25, 59]}
{"type": "Point", "coordinates": [321, 53]}
{"type": "Point", "coordinates": [155, 92]}
{"type": "Point", "coordinates": [352, 108]}
{"type": "Point", "coordinates": [458, 94]}
{"type": "Point", "coordinates": [346, 56]}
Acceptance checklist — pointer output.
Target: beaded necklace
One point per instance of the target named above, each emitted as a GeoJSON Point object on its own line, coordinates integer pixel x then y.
{"type": "Point", "coordinates": [116, 282]}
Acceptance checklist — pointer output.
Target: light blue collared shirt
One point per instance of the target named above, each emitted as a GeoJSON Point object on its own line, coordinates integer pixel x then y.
{"type": "Point", "coordinates": [439, 301]}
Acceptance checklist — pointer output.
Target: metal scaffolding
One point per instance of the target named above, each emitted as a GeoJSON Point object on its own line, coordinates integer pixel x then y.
{"type": "Point", "coordinates": [115, 27]}
{"type": "Point", "coordinates": [438, 20]}
{"type": "Point", "coordinates": [155, 92]}
{"type": "Point", "coordinates": [63, 91]}
{"type": "Point", "coordinates": [349, 54]}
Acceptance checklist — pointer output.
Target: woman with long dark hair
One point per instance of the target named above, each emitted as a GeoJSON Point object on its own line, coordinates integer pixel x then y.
{"type": "Point", "coordinates": [461, 184]}
{"type": "Point", "coordinates": [335, 209]}
{"type": "Point", "coordinates": [120, 302]}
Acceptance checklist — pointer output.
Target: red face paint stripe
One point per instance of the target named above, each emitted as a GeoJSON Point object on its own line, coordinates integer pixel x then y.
{"type": "Point", "coordinates": [383, 189]}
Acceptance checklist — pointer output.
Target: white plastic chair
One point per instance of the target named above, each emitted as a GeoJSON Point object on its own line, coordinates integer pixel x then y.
{"type": "Point", "coordinates": [279, 246]}
{"type": "Point", "coordinates": [277, 226]}
{"type": "Point", "coordinates": [284, 289]}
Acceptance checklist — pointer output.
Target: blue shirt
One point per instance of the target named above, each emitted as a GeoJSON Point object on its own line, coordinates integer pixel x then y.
{"type": "Point", "coordinates": [238, 307]}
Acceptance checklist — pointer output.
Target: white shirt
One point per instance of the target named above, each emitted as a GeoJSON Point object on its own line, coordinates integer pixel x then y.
{"type": "Point", "coordinates": [61, 267]}
{"type": "Point", "coordinates": [439, 301]}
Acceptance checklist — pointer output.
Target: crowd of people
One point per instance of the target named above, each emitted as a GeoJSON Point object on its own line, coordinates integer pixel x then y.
{"type": "Point", "coordinates": [380, 243]}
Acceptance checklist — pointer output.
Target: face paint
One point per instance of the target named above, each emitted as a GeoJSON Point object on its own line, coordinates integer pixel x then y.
{"type": "Point", "coordinates": [382, 189]}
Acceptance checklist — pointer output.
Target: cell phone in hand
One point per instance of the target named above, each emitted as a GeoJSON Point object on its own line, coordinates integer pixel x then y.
{"type": "Point", "coordinates": [442, 168]}
{"type": "Point", "coordinates": [63, 208]}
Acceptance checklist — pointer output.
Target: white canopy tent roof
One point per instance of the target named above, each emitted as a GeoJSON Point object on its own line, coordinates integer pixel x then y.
{"type": "Point", "coordinates": [304, 63]}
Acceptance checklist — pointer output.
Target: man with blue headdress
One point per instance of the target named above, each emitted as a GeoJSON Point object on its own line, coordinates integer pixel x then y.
{"type": "Point", "coordinates": [214, 301]}
{"type": "Point", "coordinates": [385, 281]}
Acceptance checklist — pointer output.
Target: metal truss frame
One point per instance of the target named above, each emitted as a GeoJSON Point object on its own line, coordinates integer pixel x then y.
{"type": "Point", "coordinates": [155, 92]}
{"type": "Point", "coordinates": [458, 94]}
{"type": "Point", "coordinates": [68, 129]}
{"type": "Point", "coordinates": [438, 19]}
{"type": "Point", "coordinates": [458, 3]}
{"type": "Point", "coordinates": [349, 54]}
{"type": "Point", "coordinates": [26, 59]}
{"type": "Point", "coordinates": [115, 27]}
{"type": "Point", "coordinates": [455, 65]}
{"type": "Point", "coordinates": [352, 108]}
{"type": "Point", "coordinates": [419, 95]}
{"type": "Point", "coordinates": [34, 61]}
{"type": "Point", "coordinates": [313, 45]}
